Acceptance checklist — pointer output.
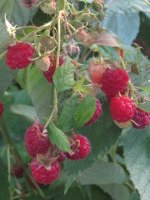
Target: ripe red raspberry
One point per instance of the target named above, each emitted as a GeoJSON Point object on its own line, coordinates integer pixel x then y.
{"type": "Point", "coordinates": [97, 113]}
{"type": "Point", "coordinates": [114, 82]}
{"type": "Point", "coordinates": [141, 119]}
{"type": "Point", "coordinates": [17, 171]}
{"type": "Point", "coordinates": [122, 109]}
{"type": "Point", "coordinates": [36, 140]}
{"type": "Point", "coordinates": [1, 109]}
{"type": "Point", "coordinates": [29, 3]}
{"type": "Point", "coordinates": [44, 175]}
{"type": "Point", "coordinates": [19, 55]}
{"type": "Point", "coordinates": [81, 147]}
{"type": "Point", "coordinates": [51, 70]}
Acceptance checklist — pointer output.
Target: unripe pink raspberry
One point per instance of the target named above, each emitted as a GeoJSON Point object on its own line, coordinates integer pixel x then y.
{"type": "Point", "coordinates": [36, 139]}
{"type": "Point", "coordinates": [141, 119]}
{"type": "Point", "coordinates": [1, 108]}
{"type": "Point", "coordinates": [96, 70]}
{"type": "Point", "coordinates": [114, 82]}
{"type": "Point", "coordinates": [19, 55]}
{"type": "Point", "coordinates": [98, 112]}
{"type": "Point", "coordinates": [81, 147]}
{"type": "Point", "coordinates": [43, 175]}
{"type": "Point", "coordinates": [122, 109]}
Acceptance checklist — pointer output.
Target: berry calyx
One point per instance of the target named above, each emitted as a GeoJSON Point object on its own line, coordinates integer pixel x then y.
{"type": "Point", "coordinates": [1, 108]}
{"type": "Point", "coordinates": [98, 112]}
{"type": "Point", "coordinates": [141, 119]}
{"type": "Point", "coordinates": [114, 82]}
{"type": "Point", "coordinates": [19, 55]}
{"type": "Point", "coordinates": [81, 147]}
{"type": "Point", "coordinates": [43, 175]}
{"type": "Point", "coordinates": [62, 157]}
{"type": "Point", "coordinates": [122, 109]}
{"type": "Point", "coordinates": [36, 139]}
{"type": "Point", "coordinates": [17, 171]}
{"type": "Point", "coordinates": [51, 70]}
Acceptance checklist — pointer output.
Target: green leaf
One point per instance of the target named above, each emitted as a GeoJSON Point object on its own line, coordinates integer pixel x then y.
{"type": "Point", "coordinates": [85, 111]}
{"type": "Point", "coordinates": [16, 124]}
{"type": "Point", "coordinates": [59, 138]}
{"type": "Point", "coordinates": [24, 110]}
{"type": "Point", "coordinates": [127, 6]}
{"type": "Point", "coordinates": [102, 135]}
{"type": "Point", "coordinates": [135, 196]}
{"type": "Point", "coordinates": [4, 194]}
{"type": "Point", "coordinates": [117, 190]}
{"type": "Point", "coordinates": [41, 93]}
{"type": "Point", "coordinates": [6, 76]}
{"type": "Point", "coordinates": [103, 173]}
{"type": "Point", "coordinates": [146, 87]}
{"type": "Point", "coordinates": [145, 106]}
{"type": "Point", "coordinates": [96, 193]}
{"type": "Point", "coordinates": [64, 77]}
{"type": "Point", "coordinates": [137, 159]}
{"type": "Point", "coordinates": [66, 120]}
{"type": "Point", "coordinates": [16, 12]}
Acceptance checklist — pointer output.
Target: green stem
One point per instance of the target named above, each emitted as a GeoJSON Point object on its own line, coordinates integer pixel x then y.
{"type": "Point", "coordinates": [59, 39]}
{"type": "Point", "coordinates": [130, 83]}
{"type": "Point", "coordinates": [55, 110]}
{"type": "Point", "coordinates": [9, 173]}
{"type": "Point", "coordinates": [14, 152]}
{"type": "Point", "coordinates": [61, 4]}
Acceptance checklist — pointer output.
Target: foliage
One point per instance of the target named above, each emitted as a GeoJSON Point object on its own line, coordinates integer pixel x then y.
{"type": "Point", "coordinates": [118, 166]}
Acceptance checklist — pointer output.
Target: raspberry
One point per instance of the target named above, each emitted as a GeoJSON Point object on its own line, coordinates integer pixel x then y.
{"type": "Point", "coordinates": [96, 71]}
{"type": "Point", "coordinates": [97, 113]}
{"type": "Point", "coordinates": [114, 82]}
{"type": "Point", "coordinates": [18, 55]}
{"type": "Point", "coordinates": [81, 147]}
{"type": "Point", "coordinates": [18, 171]}
{"type": "Point", "coordinates": [141, 119]}
{"type": "Point", "coordinates": [43, 175]}
{"type": "Point", "coordinates": [36, 140]}
{"type": "Point", "coordinates": [29, 3]}
{"type": "Point", "coordinates": [51, 70]}
{"type": "Point", "coordinates": [1, 109]}
{"type": "Point", "coordinates": [43, 64]}
{"type": "Point", "coordinates": [122, 109]}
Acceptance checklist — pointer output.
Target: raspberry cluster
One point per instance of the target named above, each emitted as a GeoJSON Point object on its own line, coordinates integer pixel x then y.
{"type": "Point", "coordinates": [114, 83]}
{"type": "Point", "coordinates": [46, 157]}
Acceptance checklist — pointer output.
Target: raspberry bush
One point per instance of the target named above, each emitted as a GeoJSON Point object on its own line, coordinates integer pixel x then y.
{"type": "Point", "coordinates": [74, 101]}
